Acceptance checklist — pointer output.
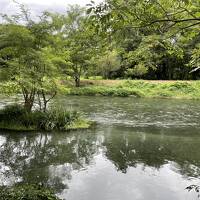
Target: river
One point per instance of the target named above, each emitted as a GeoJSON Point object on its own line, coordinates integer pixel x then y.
{"type": "Point", "coordinates": [141, 149]}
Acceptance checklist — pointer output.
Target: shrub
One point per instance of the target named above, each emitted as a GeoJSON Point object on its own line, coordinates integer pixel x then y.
{"type": "Point", "coordinates": [26, 192]}
{"type": "Point", "coordinates": [12, 112]}
{"type": "Point", "coordinates": [54, 118]}
{"type": "Point", "coordinates": [35, 118]}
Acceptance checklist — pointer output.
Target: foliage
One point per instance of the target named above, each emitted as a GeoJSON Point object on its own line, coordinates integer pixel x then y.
{"type": "Point", "coordinates": [78, 42]}
{"type": "Point", "coordinates": [27, 192]}
{"type": "Point", "coordinates": [9, 88]}
{"type": "Point", "coordinates": [159, 35]}
{"type": "Point", "coordinates": [16, 117]}
{"type": "Point", "coordinates": [12, 112]}
{"type": "Point", "coordinates": [138, 71]}
{"type": "Point", "coordinates": [108, 63]}
{"type": "Point", "coordinates": [59, 118]}
{"type": "Point", "coordinates": [159, 14]}
{"type": "Point", "coordinates": [195, 58]}
{"type": "Point", "coordinates": [115, 39]}
{"type": "Point", "coordinates": [27, 56]}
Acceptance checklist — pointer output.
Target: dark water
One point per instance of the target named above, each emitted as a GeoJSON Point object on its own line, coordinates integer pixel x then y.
{"type": "Point", "coordinates": [141, 149]}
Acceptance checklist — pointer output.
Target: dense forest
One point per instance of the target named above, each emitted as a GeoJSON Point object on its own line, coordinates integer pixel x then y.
{"type": "Point", "coordinates": [116, 39]}
{"type": "Point", "coordinates": [154, 39]}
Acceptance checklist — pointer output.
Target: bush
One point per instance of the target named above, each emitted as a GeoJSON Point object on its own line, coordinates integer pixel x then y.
{"type": "Point", "coordinates": [26, 192]}
{"type": "Point", "coordinates": [12, 112]}
{"type": "Point", "coordinates": [35, 118]}
{"type": "Point", "coordinates": [53, 119]}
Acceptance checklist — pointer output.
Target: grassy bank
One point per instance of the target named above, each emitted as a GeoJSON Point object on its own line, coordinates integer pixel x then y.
{"type": "Point", "coordinates": [15, 117]}
{"type": "Point", "coordinates": [138, 88]}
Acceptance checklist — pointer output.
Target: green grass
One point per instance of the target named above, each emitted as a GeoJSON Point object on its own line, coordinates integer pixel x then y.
{"type": "Point", "coordinates": [79, 124]}
{"type": "Point", "coordinates": [105, 91]}
{"type": "Point", "coordinates": [75, 125]}
{"type": "Point", "coordinates": [139, 88]}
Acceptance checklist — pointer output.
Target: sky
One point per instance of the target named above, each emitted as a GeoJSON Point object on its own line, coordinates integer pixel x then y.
{"type": "Point", "coordinates": [37, 6]}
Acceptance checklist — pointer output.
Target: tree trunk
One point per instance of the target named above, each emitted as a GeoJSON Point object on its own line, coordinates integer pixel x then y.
{"type": "Point", "coordinates": [28, 99]}
{"type": "Point", "coordinates": [77, 81]}
{"type": "Point", "coordinates": [45, 101]}
{"type": "Point", "coordinates": [28, 104]}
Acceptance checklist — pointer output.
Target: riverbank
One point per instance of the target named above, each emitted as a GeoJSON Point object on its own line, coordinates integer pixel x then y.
{"type": "Point", "coordinates": [76, 125]}
{"type": "Point", "coordinates": [137, 88]}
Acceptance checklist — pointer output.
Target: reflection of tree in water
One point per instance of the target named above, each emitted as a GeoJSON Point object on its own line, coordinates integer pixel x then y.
{"type": "Point", "coordinates": [46, 158]}
{"type": "Point", "coordinates": [51, 158]}
{"type": "Point", "coordinates": [129, 149]}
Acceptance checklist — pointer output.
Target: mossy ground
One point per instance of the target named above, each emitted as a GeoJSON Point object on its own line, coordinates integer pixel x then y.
{"type": "Point", "coordinates": [137, 88]}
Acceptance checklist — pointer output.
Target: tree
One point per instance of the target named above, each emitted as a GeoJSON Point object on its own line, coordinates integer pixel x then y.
{"type": "Point", "coordinates": [165, 15]}
{"type": "Point", "coordinates": [174, 22]}
{"type": "Point", "coordinates": [76, 42]}
{"type": "Point", "coordinates": [108, 63]}
{"type": "Point", "coordinates": [25, 51]}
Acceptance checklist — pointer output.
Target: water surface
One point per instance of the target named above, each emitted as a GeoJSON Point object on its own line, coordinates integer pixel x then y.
{"type": "Point", "coordinates": [140, 149]}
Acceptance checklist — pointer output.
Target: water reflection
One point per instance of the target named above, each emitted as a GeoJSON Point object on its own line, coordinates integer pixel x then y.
{"type": "Point", "coordinates": [128, 149]}
{"type": "Point", "coordinates": [45, 158]}
{"type": "Point", "coordinates": [55, 159]}
{"type": "Point", "coordinates": [115, 160]}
